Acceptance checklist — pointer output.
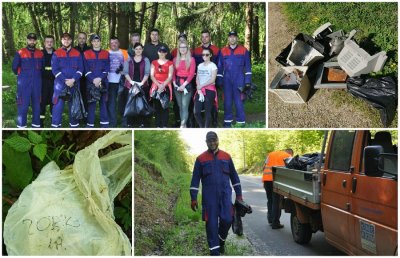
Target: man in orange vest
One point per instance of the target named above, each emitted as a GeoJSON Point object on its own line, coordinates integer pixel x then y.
{"type": "Point", "coordinates": [275, 158]}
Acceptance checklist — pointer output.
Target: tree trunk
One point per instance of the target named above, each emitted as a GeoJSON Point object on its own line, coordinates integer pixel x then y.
{"type": "Point", "coordinates": [249, 23]}
{"type": "Point", "coordinates": [113, 19]}
{"type": "Point", "coordinates": [264, 47]}
{"type": "Point", "coordinates": [174, 13]}
{"type": "Point", "coordinates": [91, 24]}
{"type": "Point", "coordinates": [132, 18]}
{"type": "Point", "coordinates": [73, 15]}
{"type": "Point", "coordinates": [9, 45]}
{"type": "Point", "coordinates": [99, 18]}
{"type": "Point", "coordinates": [59, 19]}
{"type": "Point", "coordinates": [256, 39]}
{"type": "Point", "coordinates": [122, 29]}
{"type": "Point", "coordinates": [153, 19]}
{"type": "Point", "coordinates": [51, 20]}
{"type": "Point", "coordinates": [34, 20]}
{"type": "Point", "coordinates": [141, 19]}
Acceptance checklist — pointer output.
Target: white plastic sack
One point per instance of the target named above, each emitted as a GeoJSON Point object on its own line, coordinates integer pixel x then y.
{"type": "Point", "coordinates": [70, 211]}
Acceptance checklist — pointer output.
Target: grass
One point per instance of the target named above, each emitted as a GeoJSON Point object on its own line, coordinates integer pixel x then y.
{"type": "Point", "coordinates": [164, 221]}
{"type": "Point", "coordinates": [376, 24]}
{"type": "Point", "coordinates": [253, 106]}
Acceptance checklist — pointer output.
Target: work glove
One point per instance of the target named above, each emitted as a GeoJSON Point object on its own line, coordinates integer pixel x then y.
{"type": "Point", "coordinates": [201, 97]}
{"type": "Point", "coordinates": [194, 205]}
{"type": "Point", "coordinates": [185, 91]}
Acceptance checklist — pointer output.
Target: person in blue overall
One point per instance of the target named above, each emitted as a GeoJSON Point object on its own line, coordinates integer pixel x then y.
{"type": "Point", "coordinates": [215, 169]}
{"type": "Point", "coordinates": [67, 67]}
{"type": "Point", "coordinates": [97, 66]}
{"type": "Point", "coordinates": [234, 73]}
{"type": "Point", "coordinates": [28, 65]}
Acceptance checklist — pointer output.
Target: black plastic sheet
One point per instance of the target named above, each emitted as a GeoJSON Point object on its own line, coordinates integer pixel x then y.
{"type": "Point", "coordinates": [381, 93]}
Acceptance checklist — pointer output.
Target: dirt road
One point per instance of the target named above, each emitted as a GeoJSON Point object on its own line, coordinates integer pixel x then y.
{"type": "Point", "coordinates": [325, 108]}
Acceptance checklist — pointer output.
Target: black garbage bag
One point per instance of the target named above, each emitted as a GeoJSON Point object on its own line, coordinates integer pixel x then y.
{"type": "Point", "coordinates": [78, 111]}
{"type": "Point", "coordinates": [163, 97]}
{"type": "Point", "coordinates": [137, 104]}
{"type": "Point", "coordinates": [240, 209]}
{"type": "Point", "coordinates": [296, 163]}
{"type": "Point", "coordinates": [237, 224]}
{"type": "Point", "coordinates": [94, 93]}
{"type": "Point", "coordinates": [309, 40]}
{"type": "Point", "coordinates": [247, 92]}
{"type": "Point", "coordinates": [381, 93]}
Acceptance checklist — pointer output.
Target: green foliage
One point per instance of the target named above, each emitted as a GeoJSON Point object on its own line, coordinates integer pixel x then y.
{"type": "Point", "coordinates": [376, 24]}
{"type": "Point", "coordinates": [250, 147]}
{"type": "Point", "coordinates": [18, 170]}
{"type": "Point", "coordinates": [123, 211]}
{"type": "Point", "coordinates": [18, 143]}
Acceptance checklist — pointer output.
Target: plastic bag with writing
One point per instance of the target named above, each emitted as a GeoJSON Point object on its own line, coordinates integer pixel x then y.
{"type": "Point", "coordinates": [70, 211]}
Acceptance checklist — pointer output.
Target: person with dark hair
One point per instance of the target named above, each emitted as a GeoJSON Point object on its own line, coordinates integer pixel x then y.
{"type": "Point", "coordinates": [137, 72]}
{"type": "Point", "coordinates": [82, 47]}
{"type": "Point", "coordinates": [274, 158]}
{"type": "Point", "coordinates": [205, 44]}
{"type": "Point", "coordinates": [216, 171]}
{"type": "Point", "coordinates": [151, 48]}
{"type": "Point", "coordinates": [198, 57]}
{"type": "Point", "coordinates": [182, 38]}
{"type": "Point", "coordinates": [206, 94]}
{"type": "Point", "coordinates": [97, 66]}
{"type": "Point", "coordinates": [161, 75]}
{"type": "Point", "coordinates": [135, 38]}
{"type": "Point", "coordinates": [47, 78]}
{"type": "Point", "coordinates": [115, 79]}
{"type": "Point", "coordinates": [67, 67]}
{"type": "Point", "coordinates": [27, 65]}
{"type": "Point", "coordinates": [234, 73]}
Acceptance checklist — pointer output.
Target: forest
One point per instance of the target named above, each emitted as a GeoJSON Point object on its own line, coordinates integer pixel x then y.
{"type": "Point", "coordinates": [121, 19]}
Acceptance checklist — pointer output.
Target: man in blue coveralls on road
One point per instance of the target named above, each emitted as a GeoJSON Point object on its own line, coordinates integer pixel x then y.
{"type": "Point", "coordinates": [215, 169]}
{"type": "Point", "coordinates": [28, 66]}
{"type": "Point", "coordinates": [234, 73]}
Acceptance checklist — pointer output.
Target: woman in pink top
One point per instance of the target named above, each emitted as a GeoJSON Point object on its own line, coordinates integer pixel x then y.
{"type": "Point", "coordinates": [185, 67]}
{"type": "Point", "coordinates": [161, 72]}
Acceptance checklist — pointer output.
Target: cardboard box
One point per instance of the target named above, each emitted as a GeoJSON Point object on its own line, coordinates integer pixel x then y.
{"type": "Point", "coordinates": [298, 96]}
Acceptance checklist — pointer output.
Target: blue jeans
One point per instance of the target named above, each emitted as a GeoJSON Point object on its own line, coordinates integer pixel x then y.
{"type": "Point", "coordinates": [111, 103]}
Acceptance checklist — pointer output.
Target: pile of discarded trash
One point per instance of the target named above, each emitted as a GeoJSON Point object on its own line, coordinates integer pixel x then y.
{"type": "Point", "coordinates": [333, 60]}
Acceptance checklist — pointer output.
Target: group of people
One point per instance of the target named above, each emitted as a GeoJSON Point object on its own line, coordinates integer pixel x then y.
{"type": "Point", "coordinates": [49, 77]}
{"type": "Point", "coordinates": [215, 170]}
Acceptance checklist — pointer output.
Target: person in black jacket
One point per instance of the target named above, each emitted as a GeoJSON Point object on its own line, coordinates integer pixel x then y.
{"type": "Point", "coordinates": [47, 79]}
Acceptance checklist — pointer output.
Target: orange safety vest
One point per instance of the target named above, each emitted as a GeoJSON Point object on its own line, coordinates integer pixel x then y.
{"type": "Point", "coordinates": [275, 158]}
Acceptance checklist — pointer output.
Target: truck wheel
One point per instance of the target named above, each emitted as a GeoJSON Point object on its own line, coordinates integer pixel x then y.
{"type": "Point", "coordinates": [301, 232]}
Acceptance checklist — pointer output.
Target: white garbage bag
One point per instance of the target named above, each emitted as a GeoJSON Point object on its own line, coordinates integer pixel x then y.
{"type": "Point", "coordinates": [70, 211]}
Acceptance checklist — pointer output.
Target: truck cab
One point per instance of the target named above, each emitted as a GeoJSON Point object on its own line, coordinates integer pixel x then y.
{"type": "Point", "coordinates": [359, 192]}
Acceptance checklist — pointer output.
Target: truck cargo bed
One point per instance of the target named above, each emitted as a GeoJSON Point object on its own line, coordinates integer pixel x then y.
{"type": "Point", "coordinates": [300, 186]}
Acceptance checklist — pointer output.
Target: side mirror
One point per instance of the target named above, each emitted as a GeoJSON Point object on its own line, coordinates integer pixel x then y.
{"type": "Point", "coordinates": [371, 160]}
{"type": "Point", "coordinates": [388, 164]}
